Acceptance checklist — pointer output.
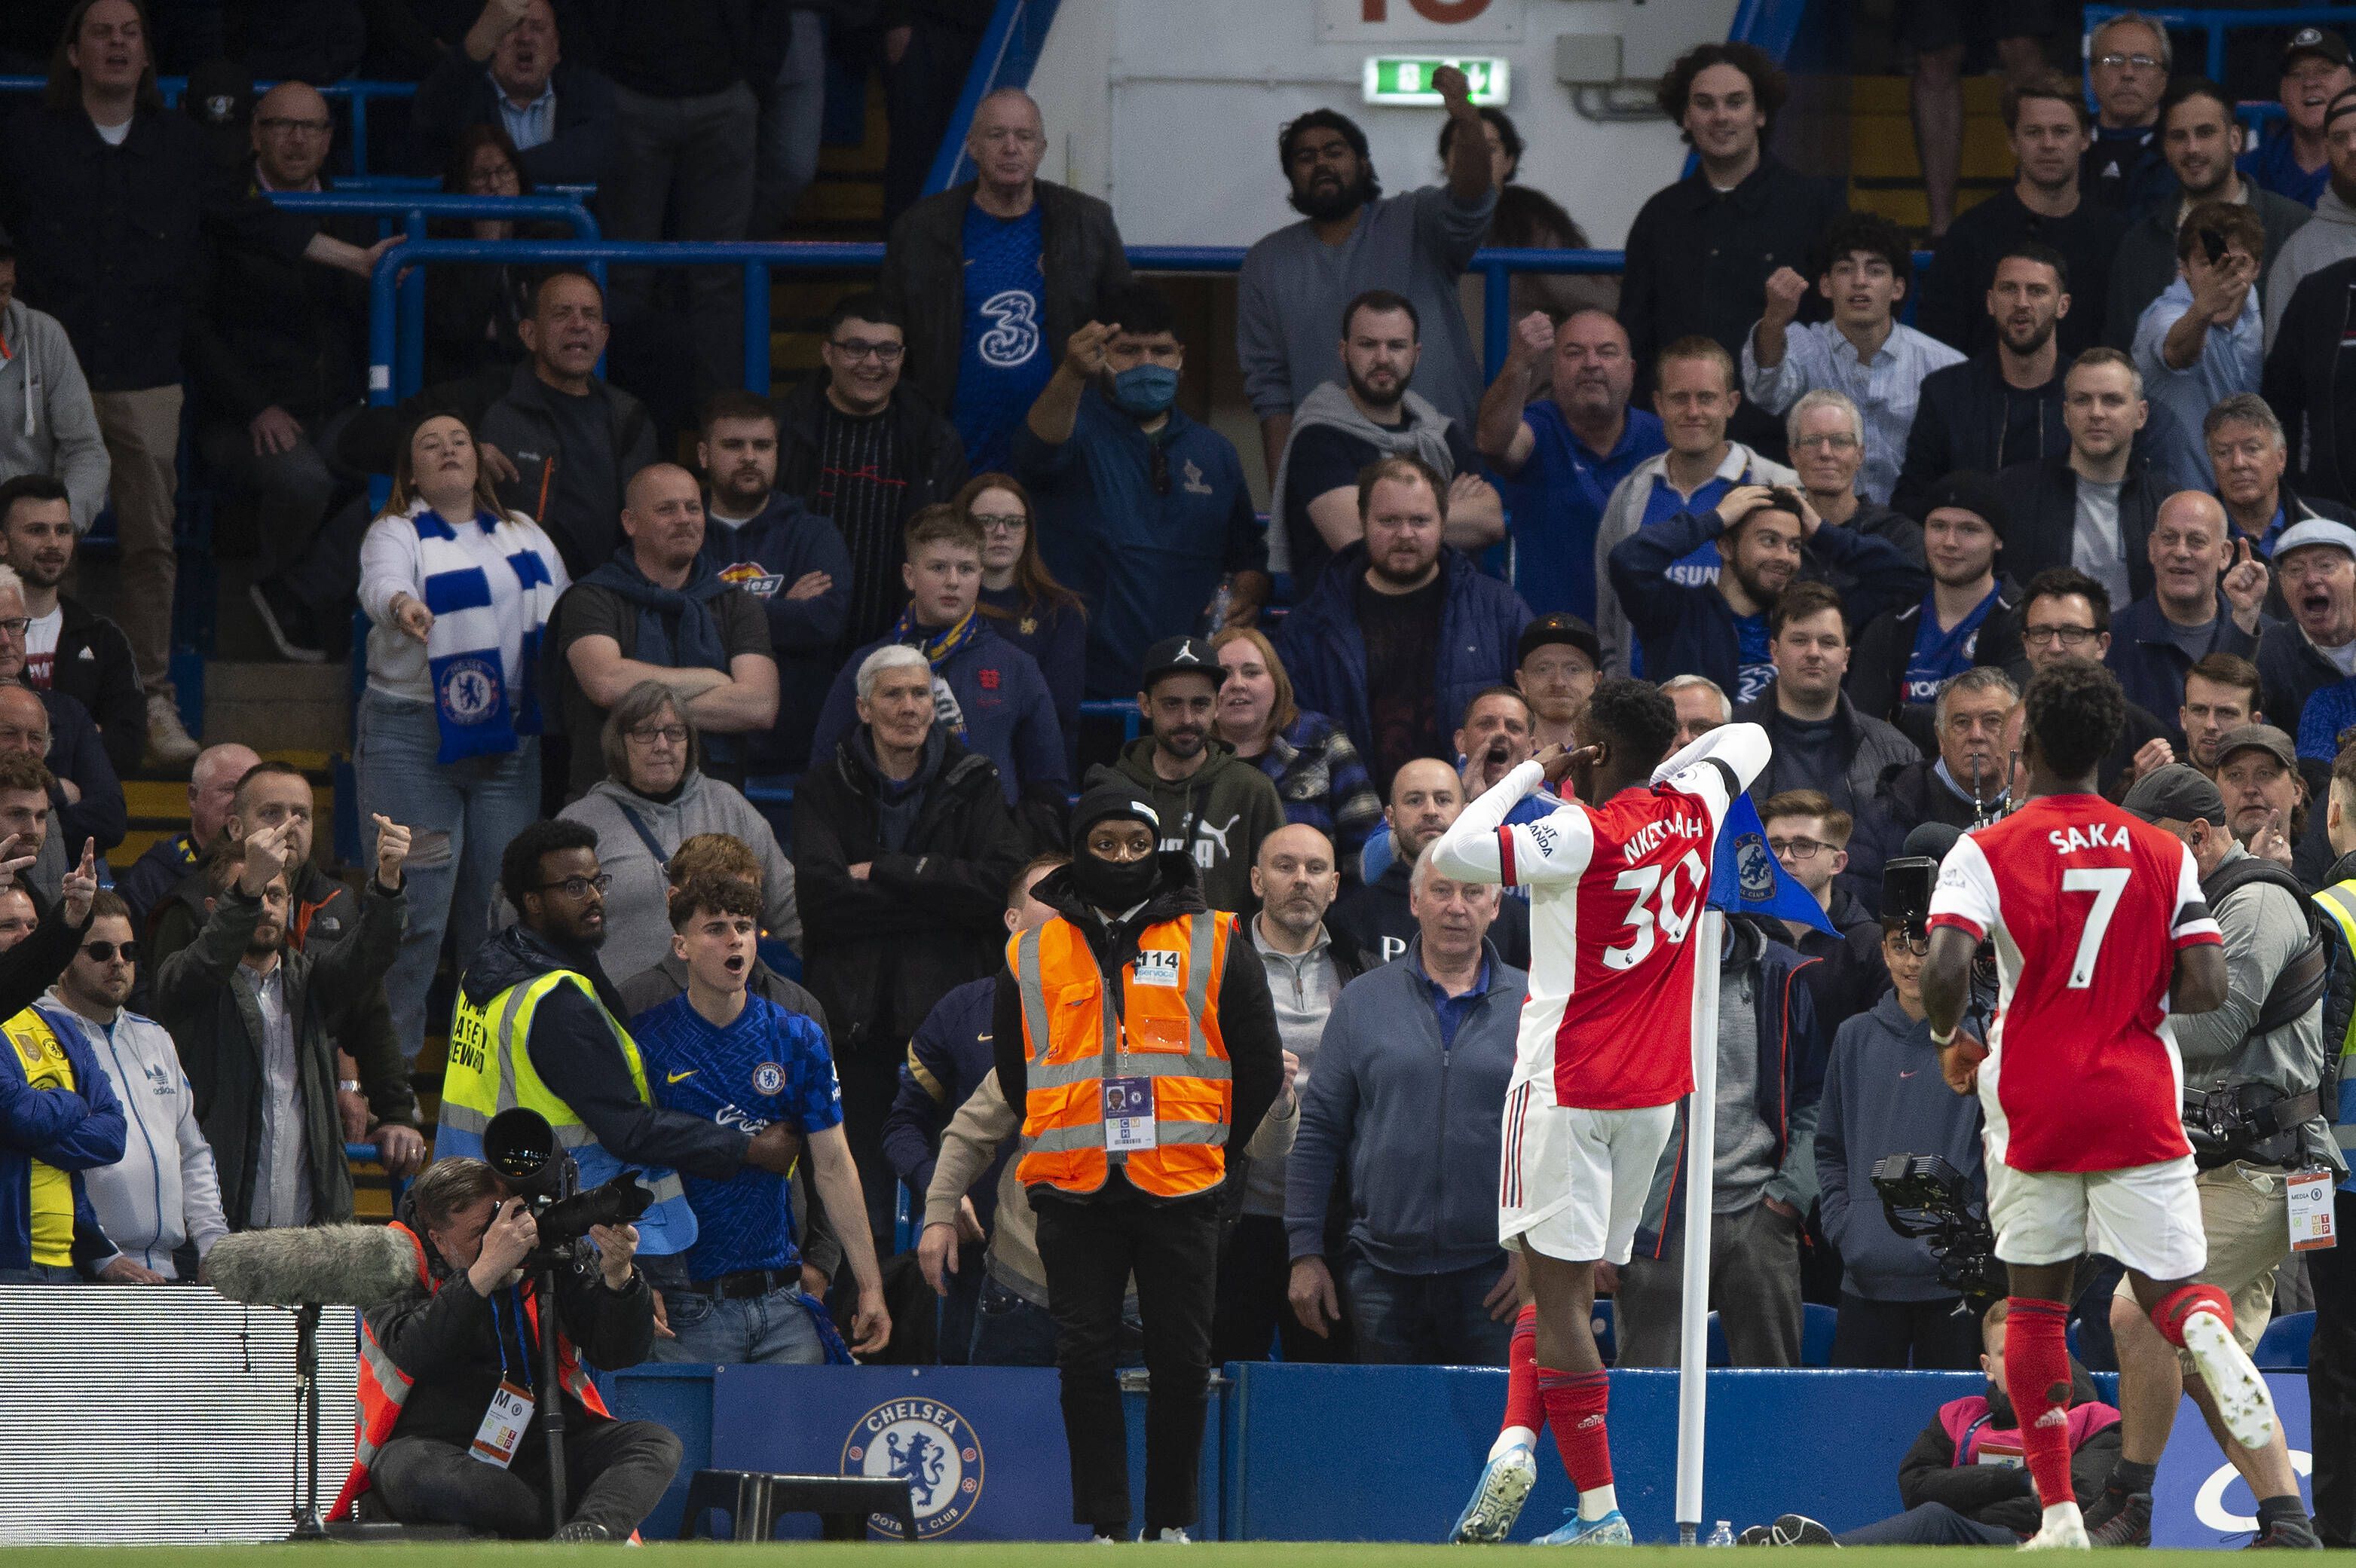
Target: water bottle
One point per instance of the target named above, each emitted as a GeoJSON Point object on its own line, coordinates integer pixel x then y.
{"type": "Point", "coordinates": [1723, 1535]}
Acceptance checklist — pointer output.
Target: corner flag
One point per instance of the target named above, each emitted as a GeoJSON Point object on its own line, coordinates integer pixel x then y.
{"type": "Point", "coordinates": [1747, 879]}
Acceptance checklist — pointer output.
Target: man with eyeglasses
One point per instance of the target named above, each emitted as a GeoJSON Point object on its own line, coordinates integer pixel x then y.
{"type": "Point", "coordinates": [1141, 509]}
{"type": "Point", "coordinates": [2091, 508]}
{"type": "Point", "coordinates": [160, 1203]}
{"type": "Point", "coordinates": [857, 443]}
{"type": "Point", "coordinates": [2127, 63]}
{"type": "Point", "coordinates": [994, 275]}
{"type": "Point", "coordinates": [510, 71]}
{"type": "Point", "coordinates": [1864, 351]}
{"type": "Point", "coordinates": [535, 994]}
{"type": "Point", "coordinates": [1809, 836]}
{"type": "Point", "coordinates": [1964, 783]}
{"type": "Point", "coordinates": [2066, 614]}
{"type": "Point", "coordinates": [1827, 439]}
{"type": "Point", "coordinates": [787, 558]}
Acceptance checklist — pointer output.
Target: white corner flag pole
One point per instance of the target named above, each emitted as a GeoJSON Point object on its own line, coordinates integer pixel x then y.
{"type": "Point", "coordinates": [1701, 1137]}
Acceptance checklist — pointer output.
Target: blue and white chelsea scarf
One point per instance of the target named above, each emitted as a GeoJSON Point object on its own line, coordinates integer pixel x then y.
{"type": "Point", "coordinates": [478, 714]}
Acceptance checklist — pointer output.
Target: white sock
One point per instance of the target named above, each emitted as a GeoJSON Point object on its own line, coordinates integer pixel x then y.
{"type": "Point", "coordinates": [2064, 1512]}
{"type": "Point", "coordinates": [1511, 1438]}
{"type": "Point", "coordinates": [1593, 1504]}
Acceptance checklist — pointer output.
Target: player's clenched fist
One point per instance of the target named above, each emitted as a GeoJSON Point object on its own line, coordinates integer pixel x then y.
{"type": "Point", "coordinates": [1959, 1063]}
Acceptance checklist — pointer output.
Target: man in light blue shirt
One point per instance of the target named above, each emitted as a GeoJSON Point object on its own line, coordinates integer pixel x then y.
{"type": "Point", "coordinates": [2203, 339]}
{"type": "Point", "coordinates": [1862, 352]}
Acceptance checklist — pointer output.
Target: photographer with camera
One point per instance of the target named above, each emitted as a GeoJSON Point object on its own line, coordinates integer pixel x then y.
{"type": "Point", "coordinates": [449, 1435]}
{"type": "Point", "coordinates": [538, 1025]}
{"type": "Point", "coordinates": [2253, 1069]}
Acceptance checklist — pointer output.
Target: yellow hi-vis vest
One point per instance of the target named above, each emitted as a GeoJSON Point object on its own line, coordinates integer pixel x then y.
{"type": "Point", "coordinates": [490, 1070]}
{"type": "Point", "coordinates": [2339, 902]}
{"type": "Point", "coordinates": [1165, 1029]}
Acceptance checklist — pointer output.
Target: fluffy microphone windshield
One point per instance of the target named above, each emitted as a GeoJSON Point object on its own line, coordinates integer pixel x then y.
{"type": "Point", "coordinates": [364, 1265]}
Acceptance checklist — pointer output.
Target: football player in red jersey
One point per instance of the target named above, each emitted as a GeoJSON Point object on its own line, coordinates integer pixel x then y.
{"type": "Point", "coordinates": [2100, 930]}
{"type": "Point", "coordinates": [1606, 1049]}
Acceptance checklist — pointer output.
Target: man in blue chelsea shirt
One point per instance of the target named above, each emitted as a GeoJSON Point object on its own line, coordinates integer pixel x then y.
{"type": "Point", "coordinates": [718, 1051]}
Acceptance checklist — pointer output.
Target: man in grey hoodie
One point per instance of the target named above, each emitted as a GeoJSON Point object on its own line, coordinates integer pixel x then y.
{"type": "Point", "coordinates": [47, 424]}
{"type": "Point", "coordinates": [1884, 1095]}
{"type": "Point", "coordinates": [2330, 235]}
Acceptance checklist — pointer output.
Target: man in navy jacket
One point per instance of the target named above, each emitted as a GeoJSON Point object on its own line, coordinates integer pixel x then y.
{"type": "Point", "coordinates": [791, 560]}
{"type": "Point", "coordinates": [2206, 598]}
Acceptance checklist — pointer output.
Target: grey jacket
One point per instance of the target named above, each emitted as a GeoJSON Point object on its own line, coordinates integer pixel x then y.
{"type": "Point", "coordinates": [1623, 514]}
{"type": "Point", "coordinates": [1420, 1127]}
{"type": "Point", "coordinates": [47, 424]}
{"type": "Point", "coordinates": [1884, 1095]}
{"type": "Point", "coordinates": [2329, 236]}
{"type": "Point", "coordinates": [2263, 926]}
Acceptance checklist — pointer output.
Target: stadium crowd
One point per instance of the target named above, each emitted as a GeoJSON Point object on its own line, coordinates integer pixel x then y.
{"type": "Point", "coordinates": [2111, 432]}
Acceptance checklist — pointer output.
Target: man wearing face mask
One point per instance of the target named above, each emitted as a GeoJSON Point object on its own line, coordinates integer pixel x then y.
{"type": "Point", "coordinates": [1124, 1148]}
{"type": "Point", "coordinates": [1141, 510]}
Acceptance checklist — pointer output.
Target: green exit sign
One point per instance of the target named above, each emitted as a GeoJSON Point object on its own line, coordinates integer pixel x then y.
{"type": "Point", "coordinates": [1406, 79]}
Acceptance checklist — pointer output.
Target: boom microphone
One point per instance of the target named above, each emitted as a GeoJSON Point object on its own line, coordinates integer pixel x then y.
{"type": "Point", "coordinates": [363, 1266]}
{"type": "Point", "coordinates": [1932, 840]}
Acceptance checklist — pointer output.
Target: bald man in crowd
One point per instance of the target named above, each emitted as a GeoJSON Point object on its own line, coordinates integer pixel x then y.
{"type": "Point", "coordinates": [1426, 795]}
{"type": "Point", "coordinates": [657, 613]}
{"type": "Point", "coordinates": [2208, 589]}
{"type": "Point", "coordinates": [212, 785]}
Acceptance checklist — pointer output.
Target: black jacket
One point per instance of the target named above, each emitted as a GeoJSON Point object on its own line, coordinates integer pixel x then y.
{"type": "Point", "coordinates": [276, 330]}
{"type": "Point", "coordinates": [1081, 263]}
{"type": "Point", "coordinates": [1246, 1015]}
{"type": "Point", "coordinates": [2042, 498]}
{"type": "Point", "coordinates": [932, 456]}
{"type": "Point", "coordinates": [1913, 795]}
{"type": "Point", "coordinates": [1698, 262]}
{"type": "Point", "coordinates": [2301, 382]}
{"type": "Point", "coordinates": [2002, 1495]}
{"type": "Point", "coordinates": [571, 1048]}
{"type": "Point", "coordinates": [459, 94]}
{"type": "Point", "coordinates": [105, 235]}
{"type": "Point", "coordinates": [1877, 664]}
{"type": "Point", "coordinates": [76, 753]}
{"type": "Point", "coordinates": [94, 668]}
{"type": "Point", "coordinates": [1959, 423]}
{"type": "Point", "coordinates": [879, 953]}
{"type": "Point", "coordinates": [1865, 596]}
{"type": "Point", "coordinates": [1953, 295]}
{"type": "Point", "coordinates": [447, 1342]}
{"type": "Point", "coordinates": [219, 1029]}
{"type": "Point", "coordinates": [2290, 670]}
{"type": "Point", "coordinates": [1853, 975]}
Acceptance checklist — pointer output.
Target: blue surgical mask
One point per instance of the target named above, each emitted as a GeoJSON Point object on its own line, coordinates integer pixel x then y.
{"type": "Point", "coordinates": [1144, 390]}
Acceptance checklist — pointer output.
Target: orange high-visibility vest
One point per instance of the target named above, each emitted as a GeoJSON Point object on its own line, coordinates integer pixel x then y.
{"type": "Point", "coordinates": [1164, 1027]}
{"type": "Point", "coordinates": [384, 1388]}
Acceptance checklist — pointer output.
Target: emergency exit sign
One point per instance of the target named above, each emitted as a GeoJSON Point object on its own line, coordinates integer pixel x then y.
{"type": "Point", "coordinates": [1406, 79]}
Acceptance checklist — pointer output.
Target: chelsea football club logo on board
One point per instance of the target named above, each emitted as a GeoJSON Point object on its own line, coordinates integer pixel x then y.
{"type": "Point", "coordinates": [468, 690]}
{"type": "Point", "coordinates": [927, 1444]}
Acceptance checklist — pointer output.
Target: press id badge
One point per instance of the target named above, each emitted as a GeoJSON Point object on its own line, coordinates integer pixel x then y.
{"type": "Point", "coordinates": [1127, 1115]}
{"type": "Point", "coordinates": [1158, 966]}
{"type": "Point", "coordinates": [503, 1424]}
{"type": "Point", "coordinates": [2310, 1195]}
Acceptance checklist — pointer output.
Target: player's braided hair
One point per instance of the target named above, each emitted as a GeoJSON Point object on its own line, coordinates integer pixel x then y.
{"type": "Point", "coordinates": [1635, 716]}
{"type": "Point", "coordinates": [2075, 711]}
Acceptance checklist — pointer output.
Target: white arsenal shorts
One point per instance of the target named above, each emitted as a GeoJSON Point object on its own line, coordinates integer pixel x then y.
{"type": "Point", "coordinates": [1573, 1182]}
{"type": "Point", "coordinates": [2146, 1216]}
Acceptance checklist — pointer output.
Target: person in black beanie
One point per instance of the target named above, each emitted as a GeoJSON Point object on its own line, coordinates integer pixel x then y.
{"type": "Point", "coordinates": [1128, 1112]}
{"type": "Point", "coordinates": [1906, 655]}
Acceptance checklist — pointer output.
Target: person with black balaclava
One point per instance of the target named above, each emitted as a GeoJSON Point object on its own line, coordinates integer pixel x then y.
{"type": "Point", "coordinates": [1124, 1154]}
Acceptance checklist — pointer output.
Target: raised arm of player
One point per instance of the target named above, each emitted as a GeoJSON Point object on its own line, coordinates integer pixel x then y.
{"type": "Point", "coordinates": [2199, 982]}
{"type": "Point", "coordinates": [1721, 761]}
{"type": "Point", "coordinates": [1469, 851]}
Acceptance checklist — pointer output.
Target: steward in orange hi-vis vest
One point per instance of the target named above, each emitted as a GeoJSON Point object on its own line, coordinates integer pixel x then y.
{"type": "Point", "coordinates": [1134, 1037]}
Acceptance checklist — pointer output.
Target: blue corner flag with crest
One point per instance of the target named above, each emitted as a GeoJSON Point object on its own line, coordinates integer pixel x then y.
{"type": "Point", "coordinates": [1749, 879]}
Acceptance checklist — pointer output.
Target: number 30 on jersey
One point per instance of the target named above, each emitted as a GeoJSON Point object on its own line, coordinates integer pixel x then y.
{"type": "Point", "coordinates": [1657, 907]}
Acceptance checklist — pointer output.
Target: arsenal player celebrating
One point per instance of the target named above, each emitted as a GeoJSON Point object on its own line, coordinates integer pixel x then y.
{"type": "Point", "coordinates": [2100, 930]}
{"type": "Point", "coordinates": [1606, 1049]}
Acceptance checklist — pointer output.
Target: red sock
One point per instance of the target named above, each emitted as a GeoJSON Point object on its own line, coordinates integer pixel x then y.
{"type": "Point", "coordinates": [1575, 1403]}
{"type": "Point", "coordinates": [2178, 1305]}
{"type": "Point", "coordinates": [1522, 1406]}
{"type": "Point", "coordinates": [2037, 1376]}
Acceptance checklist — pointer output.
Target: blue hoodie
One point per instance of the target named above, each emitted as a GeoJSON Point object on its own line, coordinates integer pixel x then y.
{"type": "Point", "coordinates": [765, 557]}
{"type": "Point", "coordinates": [1010, 715]}
{"type": "Point", "coordinates": [71, 1130]}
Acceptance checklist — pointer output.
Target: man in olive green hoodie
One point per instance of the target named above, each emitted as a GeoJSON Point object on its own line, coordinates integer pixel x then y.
{"type": "Point", "coordinates": [1214, 805]}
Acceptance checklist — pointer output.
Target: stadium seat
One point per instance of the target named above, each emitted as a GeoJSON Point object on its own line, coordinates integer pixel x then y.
{"type": "Point", "coordinates": [1816, 1323]}
{"type": "Point", "coordinates": [2283, 1346]}
{"type": "Point", "coordinates": [753, 1501]}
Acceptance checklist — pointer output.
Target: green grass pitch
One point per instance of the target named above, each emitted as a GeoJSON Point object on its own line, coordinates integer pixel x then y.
{"type": "Point", "coordinates": [953, 1554]}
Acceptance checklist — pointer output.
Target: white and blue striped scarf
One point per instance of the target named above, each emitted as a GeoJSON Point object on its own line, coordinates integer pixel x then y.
{"type": "Point", "coordinates": [478, 714]}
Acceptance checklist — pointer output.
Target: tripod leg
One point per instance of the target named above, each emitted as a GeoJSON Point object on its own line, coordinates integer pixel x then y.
{"type": "Point", "coordinates": [549, 1395]}
{"type": "Point", "coordinates": [307, 1524]}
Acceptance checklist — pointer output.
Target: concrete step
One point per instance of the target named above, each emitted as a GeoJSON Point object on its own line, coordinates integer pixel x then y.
{"type": "Point", "coordinates": [278, 707]}
{"type": "Point", "coordinates": [1886, 177]}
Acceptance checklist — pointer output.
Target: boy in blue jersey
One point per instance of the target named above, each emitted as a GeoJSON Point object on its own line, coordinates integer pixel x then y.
{"type": "Point", "coordinates": [719, 1051]}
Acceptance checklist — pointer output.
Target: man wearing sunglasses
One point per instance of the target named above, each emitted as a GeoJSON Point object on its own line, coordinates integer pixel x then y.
{"type": "Point", "coordinates": [161, 1202]}
{"type": "Point", "coordinates": [538, 1025]}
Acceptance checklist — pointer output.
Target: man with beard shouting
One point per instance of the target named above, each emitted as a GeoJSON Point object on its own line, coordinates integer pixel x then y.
{"type": "Point", "coordinates": [1295, 281]}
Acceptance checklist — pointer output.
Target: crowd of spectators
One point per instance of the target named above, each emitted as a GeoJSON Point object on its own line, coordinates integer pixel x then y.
{"type": "Point", "coordinates": [2111, 432]}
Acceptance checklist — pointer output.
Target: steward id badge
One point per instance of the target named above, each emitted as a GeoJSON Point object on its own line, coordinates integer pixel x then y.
{"type": "Point", "coordinates": [503, 1424]}
{"type": "Point", "coordinates": [2311, 1197]}
{"type": "Point", "coordinates": [1158, 966]}
{"type": "Point", "coordinates": [1127, 1115]}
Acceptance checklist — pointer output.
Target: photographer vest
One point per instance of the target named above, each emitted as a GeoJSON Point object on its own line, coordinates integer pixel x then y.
{"type": "Point", "coordinates": [2338, 902]}
{"type": "Point", "coordinates": [384, 1387]}
{"type": "Point", "coordinates": [2257, 1121]}
{"type": "Point", "coordinates": [490, 1070]}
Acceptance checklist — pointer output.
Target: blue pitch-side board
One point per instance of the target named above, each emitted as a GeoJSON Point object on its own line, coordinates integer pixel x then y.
{"type": "Point", "coordinates": [1360, 1452]}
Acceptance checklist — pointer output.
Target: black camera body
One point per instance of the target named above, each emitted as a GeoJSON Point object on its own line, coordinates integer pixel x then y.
{"type": "Point", "coordinates": [1925, 1198]}
{"type": "Point", "coordinates": [521, 1146]}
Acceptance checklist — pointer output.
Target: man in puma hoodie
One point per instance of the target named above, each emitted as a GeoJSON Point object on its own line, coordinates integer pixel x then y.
{"type": "Point", "coordinates": [1214, 807]}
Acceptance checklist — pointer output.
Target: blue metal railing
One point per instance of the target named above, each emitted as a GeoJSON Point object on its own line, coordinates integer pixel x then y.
{"type": "Point", "coordinates": [433, 184]}
{"type": "Point", "coordinates": [1010, 47]}
{"type": "Point", "coordinates": [365, 1154]}
{"type": "Point", "coordinates": [357, 94]}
